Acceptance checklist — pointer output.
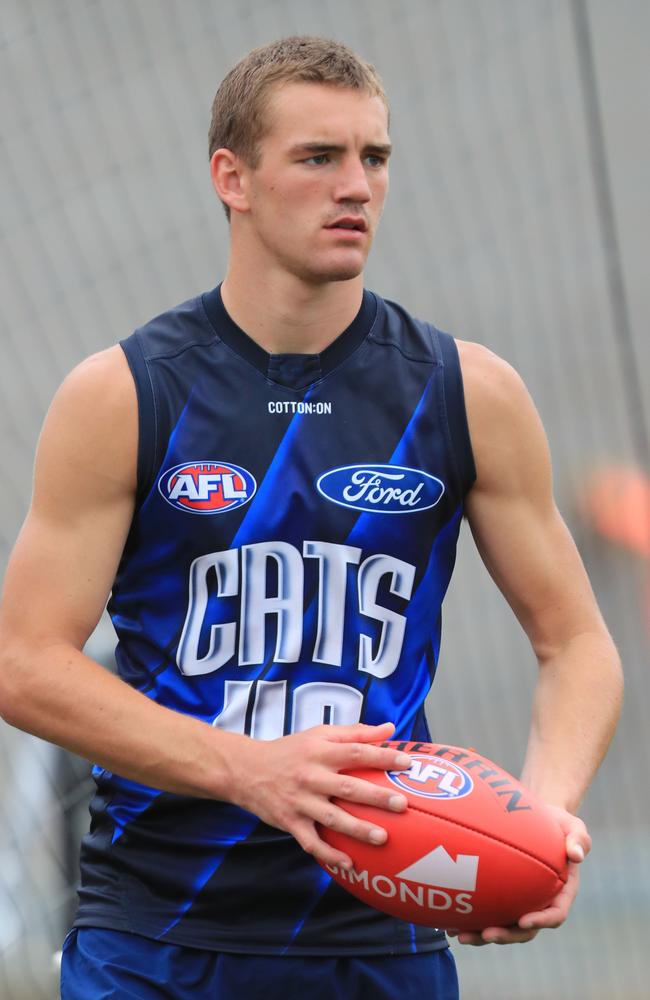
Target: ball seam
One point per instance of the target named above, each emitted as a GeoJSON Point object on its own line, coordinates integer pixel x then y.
{"type": "Point", "coordinates": [490, 836]}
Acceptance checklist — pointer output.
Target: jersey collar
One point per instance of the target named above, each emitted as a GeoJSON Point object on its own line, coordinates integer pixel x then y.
{"type": "Point", "coordinates": [295, 371]}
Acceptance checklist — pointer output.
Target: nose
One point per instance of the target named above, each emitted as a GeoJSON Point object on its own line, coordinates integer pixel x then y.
{"type": "Point", "coordinates": [353, 182]}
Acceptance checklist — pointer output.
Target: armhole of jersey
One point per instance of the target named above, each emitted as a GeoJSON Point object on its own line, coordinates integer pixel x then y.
{"type": "Point", "coordinates": [147, 423]}
{"type": "Point", "coordinates": [456, 411]}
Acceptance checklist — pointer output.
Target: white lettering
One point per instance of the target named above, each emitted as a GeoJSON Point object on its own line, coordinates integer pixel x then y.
{"type": "Point", "coordinates": [447, 783]}
{"type": "Point", "coordinates": [409, 498]}
{"type": "Point", "coordinates": [369, 485]}
{"type": "Point", "coordinates": [406, 894]}
{"type": "Point", "coordinates": [402, 575]}
{"type": "Point", "coordinates": [264, 704]}
{"type": "Point", "coordinates": [431, 899]}
{"type": "Point", "coordinates": [312, 700]}
{"type": "Point", "coordinates": [229, 491]}
{"type": "Point", "coordinates": [350, 875]}
{"type": "Point", "coordinates": [299, 406]}
{"type": "Point", "coordinates": [222, 637]}
{"type": "Point", "coordinates": [270, 586]}
{"type": "Point", "coordinates": [384, 886]}
{"type": "Point", "coordinates": [257, 605]}
{"type": "Point", "coordinates": [333, 562]}
{"type": "Point", "coordinates": [208, 483]}
{"type": "Point", "coordinates": [365, 479]}
{"type": "Point", "coordinates": [267, 721]}
{"type": "Point", "coordinates": [358, 877]}
{"type": "Point", "coordinates": [184, 487]}
{"type": "Point", "coordinates": [437, 894]}
{"type": "Point", "coordinates": [232, 717]}
{"type": "Point", "coordinates": [423, 772]}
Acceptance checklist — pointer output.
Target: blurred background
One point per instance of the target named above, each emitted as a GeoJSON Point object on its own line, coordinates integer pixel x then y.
{"type": "Point", "coordinates": [518, 217]}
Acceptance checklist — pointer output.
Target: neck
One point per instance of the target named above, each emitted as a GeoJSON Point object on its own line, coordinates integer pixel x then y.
{"type": "Point", "coordinates": [285, 315]}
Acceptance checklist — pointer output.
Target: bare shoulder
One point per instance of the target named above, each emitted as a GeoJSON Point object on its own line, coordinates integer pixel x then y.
{"type": "Point", "coordinates": [505, 428]}
{"type": "Point", "coordinates": [103, 377]}
{"type": "Point", "coordinates": [92, 423]}
{"type": "Point", "coordinates": [488, 380]}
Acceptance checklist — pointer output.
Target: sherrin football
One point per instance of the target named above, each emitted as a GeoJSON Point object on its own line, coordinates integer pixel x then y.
{"type": "Point", "coordinates": [473, 849]}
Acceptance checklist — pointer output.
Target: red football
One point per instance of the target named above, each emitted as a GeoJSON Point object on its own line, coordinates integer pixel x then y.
{"type": "Point", "coordinates": [473, 849]}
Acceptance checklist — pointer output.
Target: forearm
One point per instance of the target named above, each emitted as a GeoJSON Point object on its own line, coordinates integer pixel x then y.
{"type": "Point", "coordinates": [575, 711]}
{"type": "Point", "coordinates": [60, 695]}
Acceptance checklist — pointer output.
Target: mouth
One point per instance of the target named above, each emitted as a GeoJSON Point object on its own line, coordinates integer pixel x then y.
{"type": "Point", "coordinates": [349, 224]}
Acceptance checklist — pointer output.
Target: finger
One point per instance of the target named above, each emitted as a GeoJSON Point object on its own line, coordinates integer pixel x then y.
{"type": "Point", "coordinates": [494, 935]}
{"type": "Point", "coordinates": [550, 917]}
{"type": "Point", "coordinates": [334, 818]}
{"type": "Point", "coordinates": [508, 935]}
{"type": "Point", "coordinates": [359, 733]}
{"type": "Point", "coordinates": [306, 835]}
{"type": "Point", "coordinates": [472, 938]}
{"type": "Point", "coordinates": [351, 789]}
{"type": "Point", "coordinates": [351, 756]}
{"type": "Point", "coordinates": [557, 911]}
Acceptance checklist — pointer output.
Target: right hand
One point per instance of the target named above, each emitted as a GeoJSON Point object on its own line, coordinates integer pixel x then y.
{"type": "Point", "coordinates": [290, 782]}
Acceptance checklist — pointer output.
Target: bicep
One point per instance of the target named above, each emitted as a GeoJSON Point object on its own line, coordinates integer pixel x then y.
{"type": "Point", "coordinates": [515, 522]}
{"type": "Point", "coordinates": [532, 558]}
{"type": "Point", "coordinates": [65, 558]}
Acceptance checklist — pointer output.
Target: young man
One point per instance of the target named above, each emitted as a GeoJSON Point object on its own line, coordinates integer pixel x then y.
{"type": "Point", "coordinates": [270, 478]}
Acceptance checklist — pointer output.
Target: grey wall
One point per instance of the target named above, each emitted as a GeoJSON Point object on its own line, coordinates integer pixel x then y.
{"type": "Point", "coordinates": [518, 217]}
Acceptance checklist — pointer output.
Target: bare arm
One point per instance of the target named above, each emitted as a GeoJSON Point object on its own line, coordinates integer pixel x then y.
{"type": "Point", "coordinates": [533, 559]}
{"type": "Point", "coordinates": [59, 576]}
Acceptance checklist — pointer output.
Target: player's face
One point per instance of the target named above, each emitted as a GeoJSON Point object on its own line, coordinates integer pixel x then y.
{"type": "Point", "coordinates": [317, 194]}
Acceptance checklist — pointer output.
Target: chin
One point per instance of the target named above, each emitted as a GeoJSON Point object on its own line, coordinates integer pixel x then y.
{"type": "Point", "coordinates": [342, 275]}
{"type": "Point", "coordinates": [331, 271]}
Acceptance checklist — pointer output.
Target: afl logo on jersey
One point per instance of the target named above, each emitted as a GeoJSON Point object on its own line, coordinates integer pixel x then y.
{"type": "Point", "coordinates": [381, 489]}
{"type": "Point", "coordinates": [207, 487]}
{"type": "Point", "coordinates": [433, 778]}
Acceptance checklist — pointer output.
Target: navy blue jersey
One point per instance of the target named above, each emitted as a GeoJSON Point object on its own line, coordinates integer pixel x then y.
{"type": "Point", "coordinates": [294, 535]}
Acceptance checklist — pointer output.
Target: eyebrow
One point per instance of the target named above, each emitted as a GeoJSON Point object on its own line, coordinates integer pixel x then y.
{"type": "Point", "coordinates": [384, 149]}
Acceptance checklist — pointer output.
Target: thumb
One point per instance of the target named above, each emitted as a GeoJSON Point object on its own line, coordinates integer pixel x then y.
{"type": "Point", "coordinates": [575, 851]}
{"type": "Point", "coordinates": [578, 843]}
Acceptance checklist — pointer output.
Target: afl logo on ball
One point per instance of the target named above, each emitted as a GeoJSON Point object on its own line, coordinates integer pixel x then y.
{"type": "Point", "coordinates": [207, 487]}
{"type": "Point", "coordinates": [433, 778]}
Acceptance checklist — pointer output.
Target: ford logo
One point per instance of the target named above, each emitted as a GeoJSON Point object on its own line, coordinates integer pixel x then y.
{"type": "Point", "coordinates": [381, 489]}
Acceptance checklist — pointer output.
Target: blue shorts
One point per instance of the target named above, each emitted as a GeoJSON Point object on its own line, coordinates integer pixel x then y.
{"type": "Point", "coordinates": [98, 964]}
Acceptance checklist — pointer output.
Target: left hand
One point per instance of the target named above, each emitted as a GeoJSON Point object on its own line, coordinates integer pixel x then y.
{"type": "Point", "coordinates": [578, 845]}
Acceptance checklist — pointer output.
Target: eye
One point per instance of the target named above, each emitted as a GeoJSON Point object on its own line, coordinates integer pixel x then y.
{"type": "Point", "coordinates": [318, 160]}
{"type": "Point", "coordinates": [374, 160]}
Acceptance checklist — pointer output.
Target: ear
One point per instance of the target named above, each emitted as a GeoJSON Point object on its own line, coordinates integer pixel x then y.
{"type": "Point", "coordinates": [227, 173]}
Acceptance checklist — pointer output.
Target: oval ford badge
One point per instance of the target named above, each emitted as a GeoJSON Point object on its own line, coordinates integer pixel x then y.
{"type": "Point", "coordinates": [381, 489]}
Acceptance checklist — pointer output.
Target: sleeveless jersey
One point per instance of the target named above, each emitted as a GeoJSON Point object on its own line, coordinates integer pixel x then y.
{"type": "Point", "coordinates": [294, 535]}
